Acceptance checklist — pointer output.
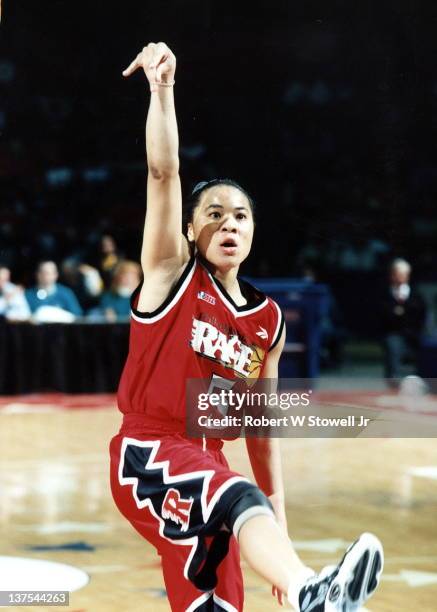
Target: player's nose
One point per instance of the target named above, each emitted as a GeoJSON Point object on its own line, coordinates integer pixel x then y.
{"type": "Point", "coordinates": [229, 224]}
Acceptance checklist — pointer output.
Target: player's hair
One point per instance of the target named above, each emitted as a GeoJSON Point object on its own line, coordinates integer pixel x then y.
{"type": "Point", "coordinates": [194, 198]}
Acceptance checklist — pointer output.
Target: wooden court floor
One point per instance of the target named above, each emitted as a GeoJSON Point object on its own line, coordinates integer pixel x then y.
{"type": "Point", "coordinates": [54, 494]}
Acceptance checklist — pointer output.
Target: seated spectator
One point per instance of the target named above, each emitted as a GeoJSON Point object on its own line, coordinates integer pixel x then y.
{"type": "Point", "coordinates": [84, 280]}
{"type": "Point", "coordinates": [109, 258]}
{"type": "Point", "coordinates": [115, 303]}
{"type": "Point", "coordinates": [403, 316]}
{"type": "Point", "coordinates": [50, 301]}
{"type": "Point", "coordinates": [13, 304]}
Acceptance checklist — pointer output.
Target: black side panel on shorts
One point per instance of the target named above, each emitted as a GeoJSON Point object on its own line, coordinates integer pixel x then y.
{"type": "Point", "coordinates": [232, 503]}
{"type": "Point", "coordinates": [206, 578]}
{"type": "Point", "coordinates": [210, 606]}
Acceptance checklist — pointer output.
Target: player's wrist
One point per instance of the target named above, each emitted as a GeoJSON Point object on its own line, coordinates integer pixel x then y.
{"type": "Point", "coordinates": [161, 85]}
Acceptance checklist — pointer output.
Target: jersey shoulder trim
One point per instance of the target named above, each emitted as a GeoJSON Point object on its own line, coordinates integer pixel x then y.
{"type": "Point", "coordinates": [173, 297]}
{"type": "Point", "coordinates": [279, 325]}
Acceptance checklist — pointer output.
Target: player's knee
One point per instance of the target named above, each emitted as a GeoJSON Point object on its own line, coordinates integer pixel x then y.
{"type": "Point", "coordinates": [251, 502]}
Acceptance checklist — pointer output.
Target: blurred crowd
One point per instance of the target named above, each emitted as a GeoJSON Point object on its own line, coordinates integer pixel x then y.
{"type": "Point", "coordinates": [101, 293]}
{"type": "Point", "coordinates": [97, 291]}
{"type": "Point", "coordinates": [402, 315]}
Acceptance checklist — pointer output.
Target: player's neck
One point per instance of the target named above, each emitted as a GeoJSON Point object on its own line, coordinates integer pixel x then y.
{"type": "Point", "coordinates": [228, 279]}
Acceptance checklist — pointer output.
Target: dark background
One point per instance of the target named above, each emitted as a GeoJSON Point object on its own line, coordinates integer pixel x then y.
{"type": "Point", "coordinates": [325, 112]}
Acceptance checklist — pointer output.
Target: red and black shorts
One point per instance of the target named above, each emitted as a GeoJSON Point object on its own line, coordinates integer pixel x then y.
{"type": "Point", "coordinates": [179, 497]}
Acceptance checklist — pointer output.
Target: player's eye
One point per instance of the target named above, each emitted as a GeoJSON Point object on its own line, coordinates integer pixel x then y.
{"type": "Point", "coordinates": [215, 215]}
{"type": "Point", "coordinates": [241, 216]}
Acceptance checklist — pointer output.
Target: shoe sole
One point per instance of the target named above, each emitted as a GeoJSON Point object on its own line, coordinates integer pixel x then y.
{"type": "Point", "coordinates": [358, 576]}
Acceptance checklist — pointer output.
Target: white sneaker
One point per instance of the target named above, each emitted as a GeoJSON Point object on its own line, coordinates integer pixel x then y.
{"type": "Point", "coordinates": [347, 586]}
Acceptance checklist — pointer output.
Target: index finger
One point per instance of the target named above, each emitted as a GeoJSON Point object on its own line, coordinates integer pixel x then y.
{"type": "Point", "coordinates": [132, 67]}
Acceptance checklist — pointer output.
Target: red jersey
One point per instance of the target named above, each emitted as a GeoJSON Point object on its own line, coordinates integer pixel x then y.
{"type": "Point", "coordinates": [198, 332]}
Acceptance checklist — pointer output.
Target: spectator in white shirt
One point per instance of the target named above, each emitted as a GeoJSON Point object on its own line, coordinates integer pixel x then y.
{"type": "Point", "coordinates": [13, 304]}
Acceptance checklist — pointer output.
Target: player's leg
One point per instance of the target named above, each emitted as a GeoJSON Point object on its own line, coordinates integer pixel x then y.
{"type": "Point", "coordinates": [197, 504]}
{"type": "Point", "coordinates": [344, 587]}
{"type": "Point", "coordinates": [182, 595]}
{"type": "Point", "coordinates": [158, 487]}
{"type": "Point", "coordinates": [229, 589]}
{"type": "Point", "coordinates": [271, 555]}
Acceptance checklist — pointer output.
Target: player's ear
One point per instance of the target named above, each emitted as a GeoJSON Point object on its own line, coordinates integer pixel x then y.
{"type": "Point", "coordinates": [190, 232]}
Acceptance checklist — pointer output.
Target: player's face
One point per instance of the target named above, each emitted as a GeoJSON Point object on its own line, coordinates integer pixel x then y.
{"type": "Point", "coordinates": [222, 226]}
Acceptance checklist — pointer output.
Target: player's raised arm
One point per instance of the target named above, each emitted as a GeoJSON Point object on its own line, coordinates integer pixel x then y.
{"type": "Point", "coordinates": [163, 245]}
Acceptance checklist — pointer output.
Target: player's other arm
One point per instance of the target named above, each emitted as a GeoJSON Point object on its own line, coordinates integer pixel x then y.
{"type": "Point", "coordinates": [164, 249]}
{"type": "Point", "coordinates": [264, 453]}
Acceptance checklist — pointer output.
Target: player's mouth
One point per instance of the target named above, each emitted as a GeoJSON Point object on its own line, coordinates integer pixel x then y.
{"type": "Point", "coordinates": [229, 246]}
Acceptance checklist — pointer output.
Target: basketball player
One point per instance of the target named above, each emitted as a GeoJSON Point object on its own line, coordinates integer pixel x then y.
{"type": "Point", "coordinates": [193, 318]}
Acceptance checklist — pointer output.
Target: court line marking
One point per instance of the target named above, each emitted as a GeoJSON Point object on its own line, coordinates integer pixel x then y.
{"type": "Point", "coordinates": [15, 409]}
{"type": "Point", "coordinates": [387, 560]}
{"type": "Point", "coordinates": [425, 471]}
{"type": "Point", "coordinates": [66, 527]}
{"type": "Point", "coordinates": [105, 569]}
{"type": "Point", "coordinates": [26, 463]}
{"type": "Point", "coordinates": [412, 578]}
{"type": "Point", "coordinates": [330, 545]}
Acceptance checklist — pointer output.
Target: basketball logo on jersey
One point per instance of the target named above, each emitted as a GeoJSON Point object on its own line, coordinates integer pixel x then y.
{"type": "Point", "coordinates": [202, 295]}
{"type": "Point", "coordinates": [177, 509]}
{"type": "Point", "coordinates": [226, 349]}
